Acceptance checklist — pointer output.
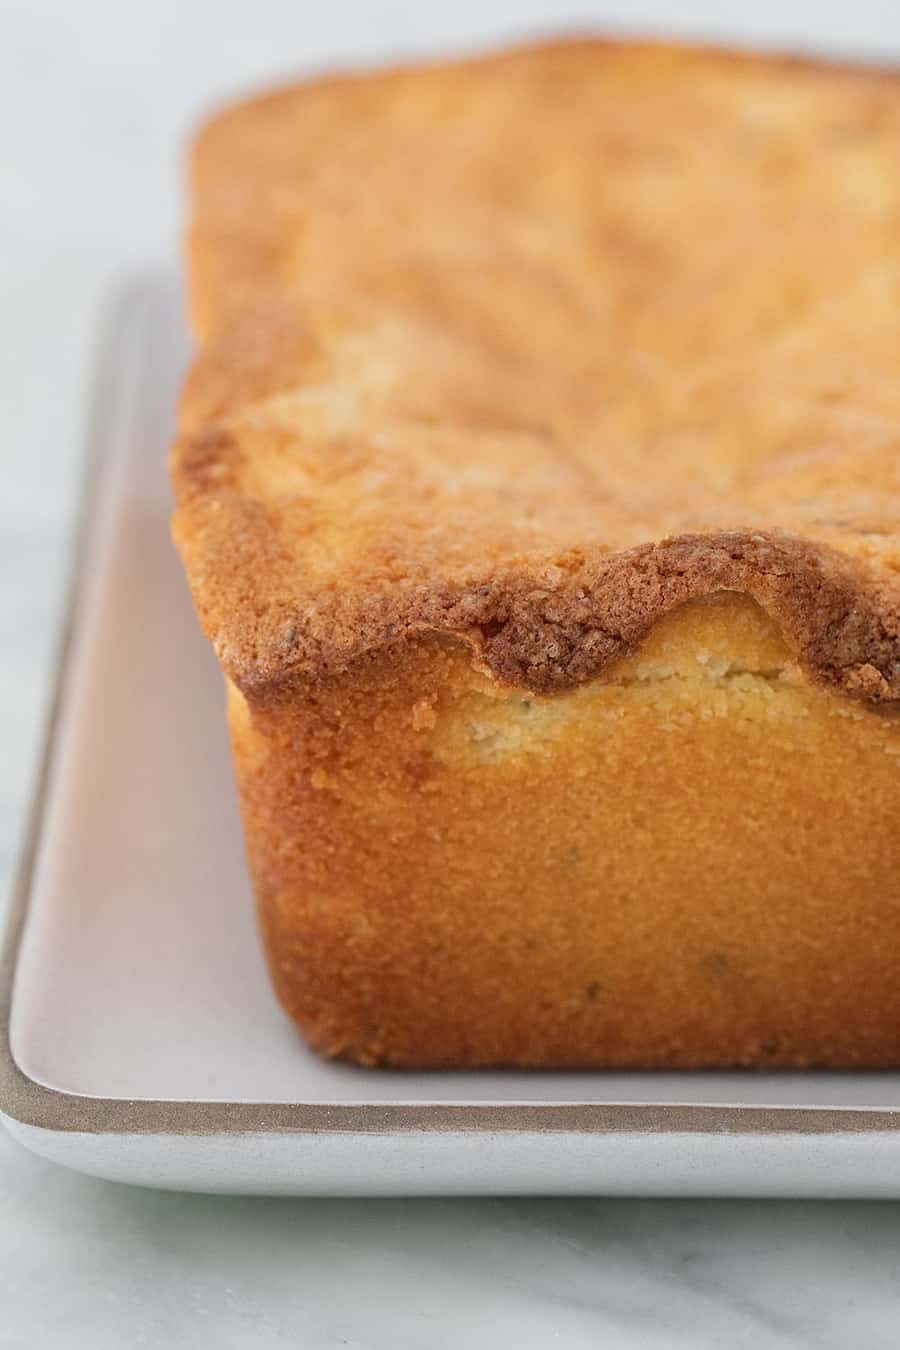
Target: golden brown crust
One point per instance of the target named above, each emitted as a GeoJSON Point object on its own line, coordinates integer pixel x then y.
{"type": "Point", "coordinates": [531, 349]}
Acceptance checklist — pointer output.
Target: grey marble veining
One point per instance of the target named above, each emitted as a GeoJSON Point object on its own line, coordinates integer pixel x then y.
{"type": "Point", "coordinates": [84, 1263]}
{"type": "Point", "coordinates": [95, 99]}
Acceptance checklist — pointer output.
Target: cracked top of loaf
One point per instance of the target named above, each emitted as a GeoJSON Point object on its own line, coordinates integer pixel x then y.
{"type": "Point", "coordinates": [530, 349]}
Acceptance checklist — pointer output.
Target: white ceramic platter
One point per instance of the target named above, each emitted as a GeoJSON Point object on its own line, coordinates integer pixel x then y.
{"type": "Point", "coordinates": [139, 1039]}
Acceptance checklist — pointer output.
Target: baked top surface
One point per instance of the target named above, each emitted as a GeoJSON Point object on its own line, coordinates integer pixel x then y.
{"type": "Point", "coordinates": [532, 349]}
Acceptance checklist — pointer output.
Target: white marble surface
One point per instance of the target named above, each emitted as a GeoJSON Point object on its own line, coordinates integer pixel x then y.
{"type": "Point", "coordinates": [95, 98]}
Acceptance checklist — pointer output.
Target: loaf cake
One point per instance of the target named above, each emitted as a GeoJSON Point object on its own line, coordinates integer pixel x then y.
{"type": "Point", "coordinates": [538, 486]}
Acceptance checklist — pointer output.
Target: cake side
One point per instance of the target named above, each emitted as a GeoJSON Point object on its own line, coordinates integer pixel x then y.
{"type": "Point", "coordinates": [539, 347]}
{"type": "Point", "coordinates": [685, 866]}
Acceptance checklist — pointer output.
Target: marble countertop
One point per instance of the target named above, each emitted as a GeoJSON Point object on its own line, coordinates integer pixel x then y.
{"type": "Point", "coordinates": [95, 102]}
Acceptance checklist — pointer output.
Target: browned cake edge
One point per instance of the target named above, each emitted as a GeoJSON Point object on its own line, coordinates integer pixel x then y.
{"type": "Point", "coordinates": [843, 625]}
